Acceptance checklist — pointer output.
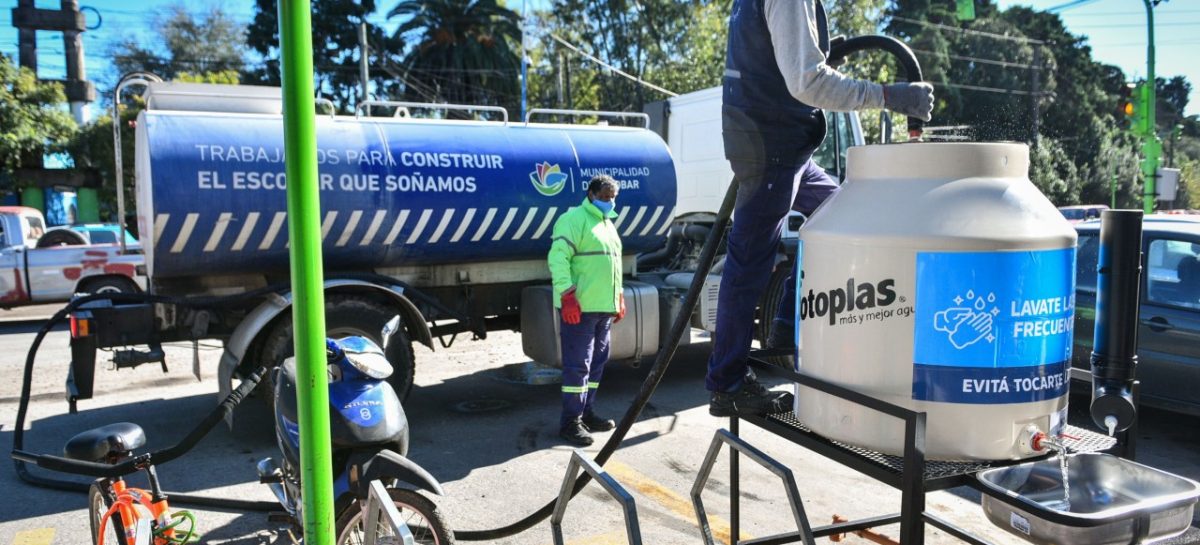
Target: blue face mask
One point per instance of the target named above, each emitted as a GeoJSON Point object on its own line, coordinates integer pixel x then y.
{"type": "Point", "coordinates": [604, 206]}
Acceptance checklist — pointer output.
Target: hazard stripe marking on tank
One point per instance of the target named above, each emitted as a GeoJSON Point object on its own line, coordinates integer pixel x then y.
{"type": "Point", "coordinates": [636, 219]}
{"type": "Point", "coordinates": [421, 222]}
{"type": "Point", "coordinates": [189, 223]}
{"type": "Point", "coordinates": [512, 213]}
{"type": "Point", "coordinates": [666, 224]}
{"type": "Point", "coordinates": [350, 226]}
{"type": "Point", "coordinates": [247, 230]}
{"type": "Point", "coordinates": [272, 231]}
{"type": "Point", "coordinates": [395, 232]}
{"type": "Point", "coordinates": [621, 217]}
{"type": "Point", "coordinates": [650, 224]}
{"type": "Point", "coordinates": [327, 225]}
{"type": "Point", "coordinates": [441, 228]}
{"type": "Point", "coordinates": [160, 225]}
{"type": "Point", "coordinates": [218, 231]}
{"type": "Point", "coordinates": [487, 222]}
{"type": "Point", "coordinates": [545, 223]}
{"type": "Point", "coordinates": [525, 223]}
{"type": "Point", "coordinates": [373, 228]}
{"type": "Point", "coordinates": [462, 227]}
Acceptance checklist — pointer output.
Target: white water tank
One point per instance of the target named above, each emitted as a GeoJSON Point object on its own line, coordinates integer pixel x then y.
{"type": "Point", "coordinates": [939, 279]}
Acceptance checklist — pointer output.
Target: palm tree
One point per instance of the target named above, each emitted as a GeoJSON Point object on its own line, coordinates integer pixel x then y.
{"type": "Point", "coordinates": [465, 53]}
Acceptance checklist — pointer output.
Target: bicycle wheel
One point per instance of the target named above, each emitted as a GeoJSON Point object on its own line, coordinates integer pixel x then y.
{"type": "Point", "coordinates": [422, 516]}
{"type": "Point", "coordinates": [100, 499]}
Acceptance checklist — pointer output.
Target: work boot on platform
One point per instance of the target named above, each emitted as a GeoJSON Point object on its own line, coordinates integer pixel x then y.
{"type": "Point", "coordinates": [597, 423]}
{"type": "Point", "coordinates": [576, 433]}
{"type": "Point", "coordinates": [751, 399]}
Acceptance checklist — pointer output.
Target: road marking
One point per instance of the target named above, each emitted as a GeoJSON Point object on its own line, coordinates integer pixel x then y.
{"type": "Point", "coordinates": [244, 234]}
{"type": "Point", "coordinates": [545, 222]}
{"type": "Point", "coordinates": [218, 231]}
{"type": "Point", "coordinates": [611, 538]}
{"type": "Point", "coordinates": [673, 502]}
{"type": "Point", "coordinates": [40, 536]}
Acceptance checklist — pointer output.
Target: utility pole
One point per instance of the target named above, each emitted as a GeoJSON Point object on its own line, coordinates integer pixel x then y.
{"type": "Point", "coordinates": [363, 51]}
{"type": "Point", "coordinates": [524, 66]}
{"type": "Point", "coordinates": [1035, 94]}
{"type": "Point", "coordinates": [560, 80]}
{"type": "Point", "coordinates": [1151, 145]}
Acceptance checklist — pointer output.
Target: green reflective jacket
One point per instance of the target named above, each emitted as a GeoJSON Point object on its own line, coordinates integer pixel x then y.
{"type": "Point", "coordinates": [586, 253]}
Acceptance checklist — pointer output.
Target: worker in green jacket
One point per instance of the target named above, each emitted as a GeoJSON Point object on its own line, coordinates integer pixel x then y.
{"type": "Point", "coordinates": [585, 267]}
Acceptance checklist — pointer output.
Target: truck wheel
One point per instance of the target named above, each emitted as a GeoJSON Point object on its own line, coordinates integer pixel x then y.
{"type": "Point", "coordinates": [60, 237]}
{"type": "Point", "coordinates": [345, 316]}
{"type": "Point", "coordinates": [767, 306]}
{"type": "Point", "coordinates": [107, 284]}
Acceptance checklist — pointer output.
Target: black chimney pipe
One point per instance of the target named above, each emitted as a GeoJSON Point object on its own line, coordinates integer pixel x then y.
{"type": "Point", "coordinates": [1114, 349]}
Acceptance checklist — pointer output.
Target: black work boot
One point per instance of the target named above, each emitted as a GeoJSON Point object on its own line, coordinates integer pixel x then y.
{"type": "Point", "coordinates": [576, 433]}
{"type": "Point", "coordinates": [597, 423]}
{"type": "Point", "coordinates": [752, 399]}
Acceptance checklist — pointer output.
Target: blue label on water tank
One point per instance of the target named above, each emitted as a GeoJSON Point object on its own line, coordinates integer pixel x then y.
{"type": "Point", "coordinates": [993, 327]}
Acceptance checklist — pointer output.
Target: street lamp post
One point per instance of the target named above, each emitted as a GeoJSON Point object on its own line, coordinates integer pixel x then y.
{"type": "Point", "coordinates": [1151, 145]}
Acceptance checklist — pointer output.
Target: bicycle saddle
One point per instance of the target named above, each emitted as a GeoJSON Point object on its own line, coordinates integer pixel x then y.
{"type": "Point", "coordinates": [105, 443]}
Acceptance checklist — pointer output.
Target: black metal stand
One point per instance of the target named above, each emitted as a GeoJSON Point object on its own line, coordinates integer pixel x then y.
{"type": "Point", "coordinates": [911, 473]}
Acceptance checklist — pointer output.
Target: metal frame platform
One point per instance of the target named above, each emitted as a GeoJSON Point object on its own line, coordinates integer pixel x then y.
{"type": "Point", "coordinates": [910, 473]}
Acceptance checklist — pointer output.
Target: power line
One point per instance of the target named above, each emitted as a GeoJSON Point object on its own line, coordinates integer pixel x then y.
{"type": "Point", "coordinates": [991, 89]}
{"type": "Point", "coordinates": [628, 76]}
{"type": "Point", "coordinates": [995, 62]}
{"type": "Point", "coordinates": [1069, 5]}
{"type": "Point", "coordinates": [969, 31]}
{"type": "Point", "coordinates": [1137, 25]}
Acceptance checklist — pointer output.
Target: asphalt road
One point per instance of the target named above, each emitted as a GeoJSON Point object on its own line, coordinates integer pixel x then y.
{"type": "Point", "coordinates": [487, 432]}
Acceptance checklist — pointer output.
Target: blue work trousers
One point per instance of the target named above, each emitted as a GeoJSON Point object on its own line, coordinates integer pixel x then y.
{"type": "Point", "coordinates": [584, 353]}
{"type": "Point", "coordinates": [765, 195]}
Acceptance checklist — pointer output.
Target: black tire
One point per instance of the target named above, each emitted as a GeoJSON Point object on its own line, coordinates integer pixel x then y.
{"type": "Point", "coordinates": [424, 520]}
{"type": "Point", "coordinates": [347, 315]}
{"type": "Point", "coordinates": [107, 284]}
{"type": "Point", "coordinates": [61, 237]}
{"type": "Point", "coordinates": [100, 499]}
{"type": "Point", "coordinates": [776, 287]}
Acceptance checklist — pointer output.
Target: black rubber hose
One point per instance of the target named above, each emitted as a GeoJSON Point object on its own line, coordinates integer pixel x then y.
{"type": "Point", "coordinates": [661, 362]}
{"type": "Point", "coordinates": [842, 48]}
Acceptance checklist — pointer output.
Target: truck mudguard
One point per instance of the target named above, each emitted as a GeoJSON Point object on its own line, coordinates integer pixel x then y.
{"type": "Point", "coordinates": [211, 190]}
{"type": "Point", "coordinates": [258, 319]}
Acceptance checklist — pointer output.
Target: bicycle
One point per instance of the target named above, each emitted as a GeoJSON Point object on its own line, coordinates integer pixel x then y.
{"type": "Point", "coordinates": [117, 512]}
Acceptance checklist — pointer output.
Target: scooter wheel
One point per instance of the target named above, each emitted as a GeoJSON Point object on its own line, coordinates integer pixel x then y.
{"type": "Point", "coordinates": [419, 513]}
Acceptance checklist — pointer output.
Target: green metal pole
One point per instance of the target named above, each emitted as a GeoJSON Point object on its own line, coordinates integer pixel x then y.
{"type": "Point", "coordinates": [304, 232]}
{"type": "Point", "coordinates": [1151, 147]}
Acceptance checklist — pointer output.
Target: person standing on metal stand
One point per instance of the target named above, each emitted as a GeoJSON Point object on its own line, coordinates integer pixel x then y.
{"type": "Point", "coordinates": [776, 83]}
{"type": "Point", "coordinates": [585, 268]}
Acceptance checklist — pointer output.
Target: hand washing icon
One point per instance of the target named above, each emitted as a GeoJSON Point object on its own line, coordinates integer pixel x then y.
{"type": "Point", "coordinates": [967, 325]}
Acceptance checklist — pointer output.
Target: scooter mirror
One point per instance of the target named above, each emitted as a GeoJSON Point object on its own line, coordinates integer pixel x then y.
{"type": "Point", "coordinates": [389, 328]}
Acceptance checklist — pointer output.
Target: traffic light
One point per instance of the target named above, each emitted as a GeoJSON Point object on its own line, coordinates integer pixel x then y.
{"type": "Point", "coordinates": [1133, 106]}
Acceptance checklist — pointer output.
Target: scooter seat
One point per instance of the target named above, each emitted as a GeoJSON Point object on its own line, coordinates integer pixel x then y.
{"type": "Point", "coordinates": [105, 443]}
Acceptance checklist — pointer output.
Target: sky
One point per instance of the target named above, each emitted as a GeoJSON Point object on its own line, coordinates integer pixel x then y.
{"type": "Point", "coordinates": [1116, 31]}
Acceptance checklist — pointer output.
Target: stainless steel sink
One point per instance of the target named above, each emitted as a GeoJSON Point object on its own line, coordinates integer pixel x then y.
{"type": "Point", "coordinates": [1111, 500]}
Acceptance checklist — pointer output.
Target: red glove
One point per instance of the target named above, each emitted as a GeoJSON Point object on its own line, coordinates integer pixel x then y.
{"type": "Point", "coordinates": [571, 313]}
{"type": "Point", "coordinates": [620, 309]}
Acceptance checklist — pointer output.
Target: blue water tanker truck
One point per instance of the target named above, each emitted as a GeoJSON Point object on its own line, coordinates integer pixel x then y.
{"type": "Point", "coordinates": [443, 222]}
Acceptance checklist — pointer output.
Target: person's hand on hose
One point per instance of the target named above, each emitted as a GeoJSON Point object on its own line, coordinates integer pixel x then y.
{"type": "Point", "coordinates": [910, 99]}
{"type": "Point", "coordinates": [620, 309]}
{"type": "Point", "coordinates": [571, 313]}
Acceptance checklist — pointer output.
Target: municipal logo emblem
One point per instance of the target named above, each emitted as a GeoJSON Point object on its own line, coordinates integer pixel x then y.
{"type": "Point", "coordinates": [548, 179]}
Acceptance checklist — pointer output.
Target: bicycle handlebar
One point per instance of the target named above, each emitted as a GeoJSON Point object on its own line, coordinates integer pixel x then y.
{"type": "Point", "coordinates": [136, 463]}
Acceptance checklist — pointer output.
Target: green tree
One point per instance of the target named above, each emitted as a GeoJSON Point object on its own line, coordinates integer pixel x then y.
{"type": "Point", "coordinates": [92, 148]}
{"type": "Point", "coordinates": [465, 53]}
{"type": "Point", "coordinates": [335, 49]}
{"type": "Point", "coordinates": [33, 116]}
{"type": "Point", "coordinates": [207, 42]}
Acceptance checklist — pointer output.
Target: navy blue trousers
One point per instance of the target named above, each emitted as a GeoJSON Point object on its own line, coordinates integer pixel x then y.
{"type": "Point", "coordinates": [584, 353]}
{"type": "Point", "coordinates": [765, 195]}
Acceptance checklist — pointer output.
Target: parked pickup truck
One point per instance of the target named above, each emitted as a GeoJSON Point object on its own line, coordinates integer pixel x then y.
{"type": "Point", "coordinates": [30, 275]}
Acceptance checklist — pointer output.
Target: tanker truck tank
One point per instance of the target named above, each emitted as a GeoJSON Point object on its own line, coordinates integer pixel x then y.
{"type": "Point", "coordinates": [939, 279]}
{"type": "Point", "coordinates": [211, 189]}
